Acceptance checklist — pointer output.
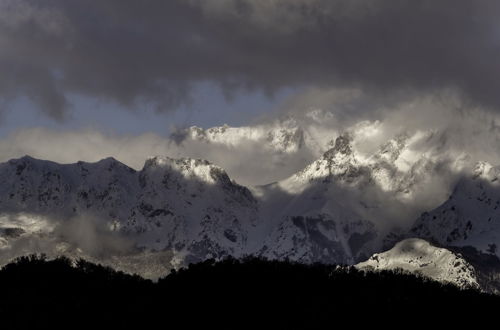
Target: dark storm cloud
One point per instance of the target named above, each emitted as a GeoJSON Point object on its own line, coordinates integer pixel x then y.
{"type": "Point", "coordinates": [154, 51]}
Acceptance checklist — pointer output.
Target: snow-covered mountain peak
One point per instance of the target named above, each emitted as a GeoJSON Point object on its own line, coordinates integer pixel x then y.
{"type": "Point", "coordinates": [341, 148]}
{"type": "Point", "coordinates": [108, 161]}
{"type": "Point", "coordinates": [28, 161]}
{"type": "Point", "coordinates": [26, 158]}
{"type": "Point", "coordinates": [339, 163]}
{"type": "Point", "coordinates": [391, 150]}
{"type": "Point", "coordinates": [419, 256]}
{"type": "Point", "coordinates": [188, 206]}
{"type": "Point", "coordinates": [388, 166]}
{"type": "Point", "coordinates": [286, 135]}
{"type": "Point", "coordinates": [469, 217]}
{"type": "Point", "coordinates": [189, 168]}
{"type": "Point", "coordinates": [486, 171]}
{"type": "Point", "coordinates": [283, 136]}
{"type": "Point", "coordinates": [177, 163]}
{"type": "Point", "coordinates": [336, 205]}
{"type": "Point", "coordinates": [108, 164]}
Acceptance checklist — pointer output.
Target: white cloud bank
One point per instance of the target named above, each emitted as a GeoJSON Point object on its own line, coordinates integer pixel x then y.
{"type": "Point", "coordinates": [276, 148]}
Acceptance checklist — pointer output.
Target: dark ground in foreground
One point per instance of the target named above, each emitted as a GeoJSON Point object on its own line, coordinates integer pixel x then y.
{"type": "Point", "coordinates": [227, 294]}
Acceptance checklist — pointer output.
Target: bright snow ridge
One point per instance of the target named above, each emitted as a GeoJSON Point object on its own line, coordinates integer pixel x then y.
{"type": "Point", "coordinates": [419, 256]}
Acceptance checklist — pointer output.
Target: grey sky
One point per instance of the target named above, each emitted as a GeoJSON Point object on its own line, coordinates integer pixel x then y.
{"type": "Point", "coordinates": [152, 54]}
{"type": "Point", "coordinates": [130, 67]}
{"type": "Point", "coordinates": [209, 108]}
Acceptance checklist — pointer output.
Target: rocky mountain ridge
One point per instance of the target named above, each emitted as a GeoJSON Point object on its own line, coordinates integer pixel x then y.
{"type": "Point", "coordinates": [341, 208]}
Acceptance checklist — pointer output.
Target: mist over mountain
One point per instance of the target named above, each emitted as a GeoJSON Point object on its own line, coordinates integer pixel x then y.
{"type": "Point", "coordinates": [353, 200]}
{"type": "Point", "coordinates": [172, 147]}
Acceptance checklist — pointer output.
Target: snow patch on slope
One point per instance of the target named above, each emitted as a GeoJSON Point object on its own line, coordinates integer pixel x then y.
{"type": "Point", "coordinates": [418, 256]}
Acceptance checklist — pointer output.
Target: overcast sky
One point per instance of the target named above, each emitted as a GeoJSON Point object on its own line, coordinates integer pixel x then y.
{"type": "Point", "coordinates": [209, 108]}
{"type": "Point", "coordinates": [131, 67]}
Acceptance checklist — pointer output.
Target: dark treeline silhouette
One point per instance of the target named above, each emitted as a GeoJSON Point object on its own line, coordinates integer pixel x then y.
{"type": "Point", "coordinates": [226, 294]}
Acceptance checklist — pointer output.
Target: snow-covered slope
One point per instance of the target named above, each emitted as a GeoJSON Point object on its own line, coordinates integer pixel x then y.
{"type": "Point", "coordinates": [286, 136]}
{"type": "Point", "coordinates": [189, 207]}
{"type": "Point", "coordinates": [418, 256]}
{"type": "Point", "coordinates": [471, 215]}
{"type": "Point", "coordinates": [255, 154]}
{"type": "Point", "coordinates": [310, 219]}
{"type": "Point", "coordinates": [345, 203]}
{"type": "Point", "coordinates": [398, 160]}
{"type": "Point", "coordinates": [337, 209]}
{"type": "Point", "coordinates": [289, 134]}
{"type": "Point", "coordinates": [326, 238]}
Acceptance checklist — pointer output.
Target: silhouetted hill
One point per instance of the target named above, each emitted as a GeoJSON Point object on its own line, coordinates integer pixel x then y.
{"type": "Point", "coordinates": [225, 294]}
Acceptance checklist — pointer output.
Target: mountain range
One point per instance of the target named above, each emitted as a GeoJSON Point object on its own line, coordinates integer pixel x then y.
{"type": "Point", "coordinates": [358, 198]}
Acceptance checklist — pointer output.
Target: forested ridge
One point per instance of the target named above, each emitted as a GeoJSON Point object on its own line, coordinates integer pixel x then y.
{"type": "Point", "coordinates": [230, 293]}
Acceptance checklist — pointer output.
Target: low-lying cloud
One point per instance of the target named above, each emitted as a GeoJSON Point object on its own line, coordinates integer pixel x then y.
{"type": "Point", "coordinates": [449, 130]}
{"type": "Point", "coordinates": [51, 234]}
{"type": "Point", "coordinates": [247, 162]}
